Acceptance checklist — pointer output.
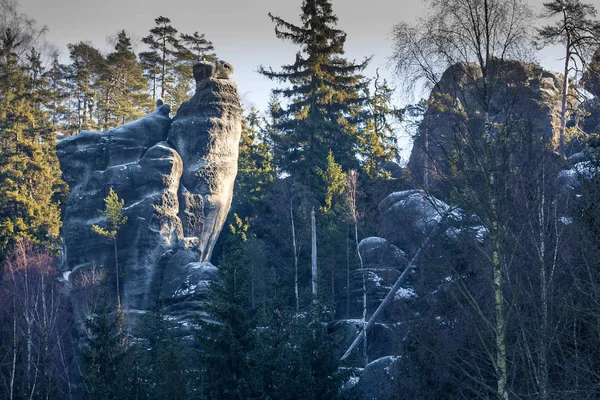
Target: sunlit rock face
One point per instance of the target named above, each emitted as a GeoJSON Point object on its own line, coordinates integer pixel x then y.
{"type": "Point", "coordinates": [521, 94]}
{"type": "Point", "coordinates": [176, 178]}
{"type": "Point", "coordinates": [206, 133]}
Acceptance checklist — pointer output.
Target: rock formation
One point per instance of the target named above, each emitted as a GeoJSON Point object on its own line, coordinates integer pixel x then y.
{"type": "Point", "coordinates": [524, 92]}
{"type": "Point", "coordinates": [176, 177]}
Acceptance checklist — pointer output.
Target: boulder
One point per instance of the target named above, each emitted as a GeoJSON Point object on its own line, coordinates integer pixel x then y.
{"type": "Point", "coordinates": [379, 379]}
{"type": "Point", "coordinates": [377, 252]}
{"type": "Point", "coordinates": [408, 217]}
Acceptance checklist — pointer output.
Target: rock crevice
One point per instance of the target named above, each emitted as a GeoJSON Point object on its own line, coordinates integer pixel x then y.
{"type": "Point", "coordinates": [176, 178]}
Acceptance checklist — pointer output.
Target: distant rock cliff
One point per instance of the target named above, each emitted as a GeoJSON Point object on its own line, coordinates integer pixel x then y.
{"type": "Point", "coordinates": [176, 177]}
{"type": "Point", "coordinates": [521, 93]}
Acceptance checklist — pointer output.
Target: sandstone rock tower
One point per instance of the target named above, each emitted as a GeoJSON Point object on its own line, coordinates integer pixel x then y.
{"type": "Point", "coordinates": [176, 177]}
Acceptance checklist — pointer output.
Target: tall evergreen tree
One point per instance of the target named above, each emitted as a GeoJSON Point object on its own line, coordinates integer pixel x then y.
{"type": "Point", "coordinates": [58, 94]}
{"type": "Point", "coordinates": [87, 65]}
{"type": "Point", "coordinates": [29, 172]}
{"type": "Point", "coordinates": [227, 361]}
{"type": "Point", "coordinates": [191, 49]}
{"type": "Point", "coordinates": [196, 47]}
{"type": "Point", "coordinates": [163, 42]}
{"type": "Point", "coordinates": [324, 95]}
{"type": "Point", "coordinates": [124, 96]}
{"type": "Point", "coordinates": [150, 62]}
{"type": "Point", "coordinates": [255, 167]}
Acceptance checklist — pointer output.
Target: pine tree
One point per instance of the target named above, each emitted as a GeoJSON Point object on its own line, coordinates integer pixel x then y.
{"type": "Point", "coordinates": [164, 46]}
{"type": "Point", "coordinates": [324, 95]}
{"type": "Point", "coordinates": [59, 92]}
{"type": "Point", "coordinates": [87, 65]}
{"type": "Point", "coordinates": [124, 96]}
{"type": "Point", "coordinates": [196, 48]}
{"type": "Point", "coordinates": [150, 62]}
{"type": "Point", "coordinates": [113, 211]}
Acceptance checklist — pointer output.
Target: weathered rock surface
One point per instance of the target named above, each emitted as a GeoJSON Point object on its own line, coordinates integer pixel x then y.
{"type": "Point", "coordinates": [176, 178]}
{"type": "Point", "coordinates": [421, 303]}
{"type": "Point", "coordinates": [380, 378]}
{"type": "Point", "coordinates": [407, 218]}
{"type": "Point", "coordinates": [523, 93]}
{"type": "Point", "coordinates": [206, 133]}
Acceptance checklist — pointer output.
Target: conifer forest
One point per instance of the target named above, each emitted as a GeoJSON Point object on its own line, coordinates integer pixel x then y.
{"type": "Point", "coordinates": [422, 225]}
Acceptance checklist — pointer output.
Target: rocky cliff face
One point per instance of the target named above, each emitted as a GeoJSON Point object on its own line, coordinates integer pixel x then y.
{"type": "Point", "coordinates": [176, 177]}
{"type": "Point", "coordinates": [521, 93]}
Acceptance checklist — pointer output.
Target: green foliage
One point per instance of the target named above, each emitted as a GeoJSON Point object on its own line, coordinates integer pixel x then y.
{"type": "Point", "coordinates": [334, 182]}
{"type": "Point", "coordinates": [30, 182]}
{"type": "Point", "coordinates": [87, 65]}
{"type": "Point", "coordinates": [163, 44]}
{"type": "Point", "coordinates": [378, 142]}
{"type": "Point", "coordinates": [123, 88]}
{"type": "Point", "coordinates": [103, 352]}
{"type": "Point", "coordinates": [161, 369]}
{"type": "Point", "coordinates": [295, 358]}
{"type": "Point", "coordinates": [255, 167]}
{"type": "Point", "coordinates": [228, 370]}
{"type": "Point", "coordinates": [113, 211]}
{"type": "Point", "coordinates": [323, 96]}
{"type": "Point", "coordinates": [168, 62]}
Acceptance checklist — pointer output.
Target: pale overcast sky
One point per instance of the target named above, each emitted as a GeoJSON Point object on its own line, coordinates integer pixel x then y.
{"type": "Point", "coordinates": [240, 30]}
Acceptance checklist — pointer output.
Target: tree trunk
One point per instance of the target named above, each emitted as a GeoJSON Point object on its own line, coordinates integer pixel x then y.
{"type": "Point", "coordinates": [500, 328]}
{"type": "Point", "coordinates": [295, 248]}
{"type": "Point", "coordinates": [117, 274]}
{"type": "Point", "coordinates": [388, 299]}
{"type": "Point", "coordinates": [314, 254]}
{"type": "Point", "coordinates": [563, 110]}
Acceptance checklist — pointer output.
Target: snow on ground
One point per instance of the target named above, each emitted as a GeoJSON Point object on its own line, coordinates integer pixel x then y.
{"type": "Point", "coordinates": [405, 293]}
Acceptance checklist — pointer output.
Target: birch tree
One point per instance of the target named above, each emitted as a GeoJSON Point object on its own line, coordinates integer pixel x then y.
{"type": "Point", "coordinates": [468, 41]}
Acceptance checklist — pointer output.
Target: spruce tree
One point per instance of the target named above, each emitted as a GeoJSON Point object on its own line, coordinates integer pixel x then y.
{"type": "Point", "coordinates": [255, 167]}
{"type": "Point", "coordinates": [229, 342]}
{"type": "Point", "coordinates": [323, 95]}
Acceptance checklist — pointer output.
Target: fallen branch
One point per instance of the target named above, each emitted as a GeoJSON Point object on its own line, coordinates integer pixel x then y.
{"type": "Point", "coordinates": [388, 299]}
